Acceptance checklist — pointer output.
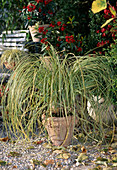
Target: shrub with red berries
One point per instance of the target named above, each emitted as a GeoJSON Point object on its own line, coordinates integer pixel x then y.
{"type": "Point", "coordinates": [37, 11]}
{"type": "Point", "coordinates": [61, 36]}
{"type": "Point", "coordinates": [102, 37]}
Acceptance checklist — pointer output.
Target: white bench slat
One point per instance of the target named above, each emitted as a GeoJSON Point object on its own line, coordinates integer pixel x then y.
{"type": "Point", "coordinates": [14, 35]}
{"type": "Point", "coordinates": [13, 40]}
{"type": "Point", "coordinates": [12, 44]}
{"type": "Point", "coordinates": [16, 31]}
{"type": "Point", "coordinates": [20, 48]}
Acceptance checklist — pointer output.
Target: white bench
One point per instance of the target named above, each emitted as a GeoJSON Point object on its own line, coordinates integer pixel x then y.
{"type": "Point", "coordinates": [13, 39]}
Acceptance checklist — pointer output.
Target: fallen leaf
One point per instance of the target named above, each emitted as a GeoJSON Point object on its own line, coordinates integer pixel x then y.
{"type": "Point", "coordinates": [14, 166]}
{"type": "Point", "coordinates": [58, 165]}
{"type": "Point", "coordinates": [15, 154]}
{"type": "Point", "coordinates": [82, 157]}
{"type": "Point", "coordinates": [114, 145]}
{"type": "Point", "coordinates": [38, 142]}
{"type": "Point", "coordinates": [4, 139]}
{"type": "Point", "coordinates": [83, 150]}
{"type": "Point", "coordinates": [76, 148]}
{"type": "Point", "coordinates": [81, 135]}
{"type": "Point", "coordinates": [102, 163]}
{"type": "Point", "coordinates": [64, 156]}
{"type": "Point", "coordinates": [102, 159]}
{"type": "Point", "coordinates": [47, 146]}
{"type": "Point", "coordinates": [58, 151]}
{"type": "Point", "coordinates": [114, 159]}
{"type": "Point", "coordinates": [112, 151]}
{"type": "Point", "coordinates": [3, 163]}
{"type": "Point", "coordinates": [115, 164]}
{"type": "Point", "coordinates": [35, 161]}
{"type": "Point", "coordinates": [30, 147]}
{"type": "Point", "coordinates": [49, 162]}
{"type": "Point", "coordinates": [97, 168]}
{"type": "Point", "coordinates": [105, 150]}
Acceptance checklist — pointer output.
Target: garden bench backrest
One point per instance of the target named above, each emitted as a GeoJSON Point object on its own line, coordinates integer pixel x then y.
{"type": "Point", "coordinates": [13, 40]}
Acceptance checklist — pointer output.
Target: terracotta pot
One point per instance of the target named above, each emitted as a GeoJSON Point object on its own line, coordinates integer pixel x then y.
{"type": "Point", "coordinates": [60, 129]}
{"type": "Point", "coordinates": [33, 32]}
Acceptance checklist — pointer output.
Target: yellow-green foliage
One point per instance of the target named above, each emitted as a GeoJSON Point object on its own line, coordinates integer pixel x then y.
{"type": "Point", "coordinates": [99, 5]}
{"type": "Point", "coordinates": [12, 55]}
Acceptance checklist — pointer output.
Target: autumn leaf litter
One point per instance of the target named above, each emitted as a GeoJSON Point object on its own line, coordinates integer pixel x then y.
{"type": "Point", "coordinates": [40, 154]}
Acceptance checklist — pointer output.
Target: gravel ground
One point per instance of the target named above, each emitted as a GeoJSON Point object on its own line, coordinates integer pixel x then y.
{"type": "Point", "coordinates": [21, 156]}
{"type": "Point", "coordinates": [39, 154]}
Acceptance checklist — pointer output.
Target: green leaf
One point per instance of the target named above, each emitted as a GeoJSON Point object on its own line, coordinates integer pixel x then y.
{"type": "Point", "coordinates": [82, 157]}
{"type": "Point", "coordinates": [3, 163]}
{"type": "Point", "coordinates": [70, 18]}
{"type": "Point", "coordinates": [114, 159]}
{"type": "Point", "coordinates": [98, 6]}
{"type": "Point", "coordinates": [63, 156]}
{"type": "Point", "coordinates": [15, 154]}
{"type": "Point", "coordinates": [101, 159]}
{"type": "Point", "coordinates": [109, 20]}
{"type": "Point", "coordinates": [68, 22]}
{"type": "Point", "coordinates": [36, 162]}
{"type": "Point", "coordinates": [113, 11]}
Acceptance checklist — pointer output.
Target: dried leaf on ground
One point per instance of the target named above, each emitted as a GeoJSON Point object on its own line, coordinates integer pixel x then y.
{"type": "Point", "coordinates": [114, 159]}
{"type": "Point", "coordinates": [58, 151]}
{"type": "Point", "coordinates": [114, 164]}
{"type": "Point", "coordinates": [114, 145]}
{"type": "Point", "coordinates": [47, 146]}
{"type": "Point", "coordinates": [14, 167]}
{"type": "Point", "coordinates": [76, 148]}
{"type": "Point", "coordinates": [49, 162]}
{"type": "Point", "coordinates": [3, 163]}
{"type": "Point", "coordinates": [38, 142]}
{"type": "Point", "coordinates": [64, 156]}
{"type": "Point", "coordinates": [15, 154]}
{"type": "Point", "coordinates": [4, 139]}
{"type": "Point", "coordinates": [82, 157]}
{"type": "Point", "coordinates": [37, 162]}
{"type": "Point", "coordinates": [30, 147]}
{"type": "Point", "coordinates": [83, 149]}
{"type": "Point", "coordinates": [58, 165]}
{"type": "Point", "coordinates": [102, 159]}
{"type": "Point", "coordinates": [101, 163]}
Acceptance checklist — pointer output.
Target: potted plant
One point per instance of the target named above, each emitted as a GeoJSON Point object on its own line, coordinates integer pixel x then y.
{"type": "Point", "coordinates": [50, 99]}
{"type": "Point", "coordinates": [37, 12]}
{"type": "Point", "coordinates": [47, 95]}
{"type": "Point", "coordinates": [11, 57]}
